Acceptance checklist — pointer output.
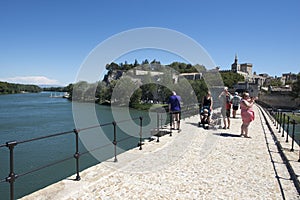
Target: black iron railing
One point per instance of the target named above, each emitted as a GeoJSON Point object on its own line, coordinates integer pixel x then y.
{"type": "Point", "coordinates": [187, 111]}
{"type": "Point", "coordinates": [11, 145]}
{"type": "Point", "coordinates": [287, 124]}
{"type": "Point", "coordinates": [276, 118]}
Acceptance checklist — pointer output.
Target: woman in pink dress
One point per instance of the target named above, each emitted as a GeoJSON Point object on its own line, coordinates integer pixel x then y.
{"type": "Point", "coordinates": [247, 113]}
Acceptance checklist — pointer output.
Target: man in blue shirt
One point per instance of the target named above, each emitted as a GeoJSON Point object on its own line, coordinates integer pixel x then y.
{"type": "Point", "coordinates": [175, 109]}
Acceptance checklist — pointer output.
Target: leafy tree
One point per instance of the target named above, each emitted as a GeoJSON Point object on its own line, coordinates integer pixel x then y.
{"type": "Point", "coordinates": [200, 88]}
{"type": "Point", "coordinates": [123, 91]}
{"type": "Point", "coordinates": [145, 62]}
{"type": "Point", "coordinates": [135, 99]}
{"type": "Point", "coordinates": [275, 82]}
{"type": "Point", "coordinates": [231, 78]}
{"type": "Point", "coordinates": [136, 63]}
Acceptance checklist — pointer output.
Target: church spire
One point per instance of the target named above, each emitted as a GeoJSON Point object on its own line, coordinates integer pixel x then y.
{"type": "Point", "coordinates": [235, 67]}
{"type": "Point", "coordinates": [236, 59]}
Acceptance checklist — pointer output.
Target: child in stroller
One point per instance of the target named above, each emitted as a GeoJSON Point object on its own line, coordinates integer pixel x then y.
{"type": "Point", "coordinates": [204, 117]}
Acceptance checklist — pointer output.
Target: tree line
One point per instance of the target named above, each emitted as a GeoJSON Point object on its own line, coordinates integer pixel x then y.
{"type": "Point", "coordinates": [147, 89]}
{"type": "Point", "coordinates": [12, 88]}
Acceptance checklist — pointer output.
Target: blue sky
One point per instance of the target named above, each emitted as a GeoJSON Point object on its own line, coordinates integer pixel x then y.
{"type": "Point", "coordinates": [47, 41]}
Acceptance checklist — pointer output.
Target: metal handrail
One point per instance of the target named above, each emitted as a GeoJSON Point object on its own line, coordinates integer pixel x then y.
{"type": "Point", "coordinates": [281, 123]}
{"type": "Point", "coordinates": [11, 178]}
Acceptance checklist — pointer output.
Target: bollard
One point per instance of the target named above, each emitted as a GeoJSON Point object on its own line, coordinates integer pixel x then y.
{"type": "Point", "coordinates": [288, 129]}
{"type": "Point", "coordinates": [141, 132]}
{"type": "Point", "coordinates": [293, 135]}
{"type": "Point", "coordinates": [115, 140]}
{"type": "Point", "coordinates": [12, 176]}
{"type": "Point", "coordinates": [283, 125]}
{"type": "Point", "coordinates": [77, 155]}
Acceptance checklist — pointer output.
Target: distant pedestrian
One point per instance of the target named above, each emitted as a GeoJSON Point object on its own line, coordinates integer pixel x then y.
{"type": "Point", "coordinates": [247, 113]}
{"type": "Point", "coordinates": [175, 110]}
{"type": "Point", "coordinates": [225, 98]}
{"type": "Point", "coordinates": [236, 99]}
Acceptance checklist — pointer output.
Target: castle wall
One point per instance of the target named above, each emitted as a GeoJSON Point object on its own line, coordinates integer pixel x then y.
{"type": "Point", "coordinates": [280, 100]}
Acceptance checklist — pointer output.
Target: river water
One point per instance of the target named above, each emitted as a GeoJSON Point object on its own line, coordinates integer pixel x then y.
{"type": "Point", "coordinates": [26, 116]}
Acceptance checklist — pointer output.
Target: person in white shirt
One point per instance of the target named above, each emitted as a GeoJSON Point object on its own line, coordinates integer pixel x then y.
{"type": "Point", "coordinates": [236, 99]}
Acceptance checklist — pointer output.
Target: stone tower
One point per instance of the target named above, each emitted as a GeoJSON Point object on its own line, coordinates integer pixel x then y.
{"type": "Point", "coordinates": [235, 67]}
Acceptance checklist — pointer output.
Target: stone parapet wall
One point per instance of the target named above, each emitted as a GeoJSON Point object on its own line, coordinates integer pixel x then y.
{"type": "Point", "coordinates": [280, 100]}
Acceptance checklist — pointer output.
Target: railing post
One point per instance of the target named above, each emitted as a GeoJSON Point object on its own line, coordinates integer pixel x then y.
{"type": "Point", "coordinates": [77, 155]}
{"type": "Point", "coordinates": [293, 135]}
{"type": "Point", "coordinates": [115, 140]}
{"type": "Point", "coordinates": [157, 120]}
{"type": "Point", "coordinates": [287, 129]}
{"type": "Point", "coordinates": [171, 121]}
{"type": "Point", "coordinates": [272, 114]}
{"type": "Point", "coordinates": [141, 132]}
{"type": "Point", "coordinates": [161, 120]}
{"type": "Point", "coordinates": [280, 121]}
{"type": "Point", "coordinates": [283, 125]}
{"type": "Point", "coordinates": [299, 153]}
{"type": "Point", "coordinates": [12, 176]}
{"type": "Point", "coordinates": [277, 119]}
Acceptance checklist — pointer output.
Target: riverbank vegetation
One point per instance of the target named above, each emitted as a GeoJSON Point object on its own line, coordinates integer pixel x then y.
{"type": "Point", "coordinates": [141, 86]}
{"type": "Point", "coordinates": [12, 88]}
{"type": "Point", "coordinates": [293, 116]}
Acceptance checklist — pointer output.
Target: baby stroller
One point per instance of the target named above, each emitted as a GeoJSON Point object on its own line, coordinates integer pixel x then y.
{"type": "Point", "coordinates": [204, 118]}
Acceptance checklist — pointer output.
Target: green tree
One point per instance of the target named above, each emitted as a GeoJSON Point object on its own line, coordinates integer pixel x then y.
{"type": "Point", "coordinates": [275, 82]}
{"type": "Point", "coordinates": [135, 99]}
{"type": "Point", "coordinates": [231, 78]}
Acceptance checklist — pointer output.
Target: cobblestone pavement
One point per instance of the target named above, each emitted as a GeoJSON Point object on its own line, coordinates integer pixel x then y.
{"type": "Point", "coordinates": [192, 164]}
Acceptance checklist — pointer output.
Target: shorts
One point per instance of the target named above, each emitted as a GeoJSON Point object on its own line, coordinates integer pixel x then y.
{"type": "Point", "coordinates": [235, 107]}
{"type": "Point", "coordinates": [225, 112]}
{"type": "Point", "coordinates": [177, 112]}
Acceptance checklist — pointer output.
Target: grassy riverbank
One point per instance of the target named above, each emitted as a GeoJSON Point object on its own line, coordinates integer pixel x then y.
{"type": "Point", "coordinates": [294, 116]}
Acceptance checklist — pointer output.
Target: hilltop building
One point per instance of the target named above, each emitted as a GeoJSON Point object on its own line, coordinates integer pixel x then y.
{"type": "Point", "coordinates": [288, 78]}
{"type": "Point", "coordinates": [244, 69]}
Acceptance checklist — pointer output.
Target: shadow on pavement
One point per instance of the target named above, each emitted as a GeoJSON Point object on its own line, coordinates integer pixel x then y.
{"type": "Point", "coordinates": [227, 135]}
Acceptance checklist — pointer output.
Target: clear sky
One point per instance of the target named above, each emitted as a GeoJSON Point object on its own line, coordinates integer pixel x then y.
{"type": "Point", "coordinates": [47, 41]}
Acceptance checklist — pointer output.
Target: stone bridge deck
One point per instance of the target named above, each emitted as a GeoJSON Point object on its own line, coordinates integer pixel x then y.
{"type": "Point", "coordinates": [193, 164]}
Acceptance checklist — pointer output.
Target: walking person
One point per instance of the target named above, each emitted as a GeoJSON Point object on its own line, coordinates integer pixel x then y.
{"type": "Point", "coordinates": [175, 110]}
{"type": "Point", "coordinates": [225, 98]}
{"type": "Point", "coordinates": [236, 99]}
{"type": "Point", "coordinates": [247, 113]}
